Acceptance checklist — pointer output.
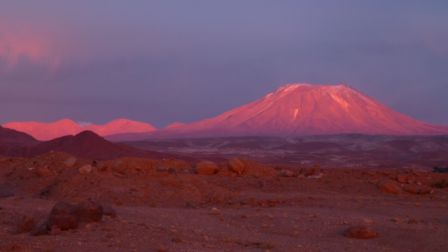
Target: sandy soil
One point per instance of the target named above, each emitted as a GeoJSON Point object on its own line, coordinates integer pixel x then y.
{"type": "Point", "coordinates": [166, 206]}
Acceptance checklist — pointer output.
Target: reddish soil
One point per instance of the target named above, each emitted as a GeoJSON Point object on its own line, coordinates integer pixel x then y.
{"type": "Point", "coordinates": [168, 205]}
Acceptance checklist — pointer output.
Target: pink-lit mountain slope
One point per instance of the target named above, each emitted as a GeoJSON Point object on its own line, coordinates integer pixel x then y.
{"type": "Point", "coordinates": [304, 109]}
{"type": "Point", "coordinates": [47, 131]}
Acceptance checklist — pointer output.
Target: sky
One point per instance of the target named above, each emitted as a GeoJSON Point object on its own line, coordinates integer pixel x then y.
{"type": "Point", "coordinates": [163, 61]}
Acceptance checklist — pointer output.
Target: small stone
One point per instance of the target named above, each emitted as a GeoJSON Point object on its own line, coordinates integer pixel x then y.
{"type": "Point", "coordinates": [215, 211]}
{"type": "Point", "coordinates": [70, 162]}
{"type": "Point", "coordinates": [402, 178]}
{"type": "Point", "coordinates": [418, 189]}
{"type": "Point", "coordinates": [109, 211]}
{"type": "Point", "coordinates": [286, 173]}
{"type": "Point", "coordinates": [55, 230]}
{"type": "Point", "coordinates": [389, 186]}
{"type": "Point", "coordinates": [360, 232]}
{"type": "Point", "coordinates": [43, 171]}
{"type": "Point", "coordinates": [85, 169]}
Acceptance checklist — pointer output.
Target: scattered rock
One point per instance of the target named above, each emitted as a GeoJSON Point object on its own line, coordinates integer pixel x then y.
{"type": "Point", "coordinates": [312, 172]}
{"type": "Point", "coordinates": [418, 189]}
{"type": "Point", "coordinates": [360, 232]}
{"type": "Point", "coordinates": [109, 211]}
{"type": "Point", "coordinates": [85, 169]}
{"type": "Point", "coordinates": [402, 178]}
{"type": "Point", "coordinates": [41, 228]}
{"type": "Point", "coordinates": [438, 184]}
{"type": "Point", "coordinates": [6, 192]}
{"type": "Point", "coordinates": [249, 168]}
{"type": "Point", "coordinates": [215, 211]}
{"type": "Point", "coordinates": [167, 170]}
{"type": "Point", "coordinates": [440, 169]}
{"type": "Point", "coordinates": [26, 224]}
{"type": "Point", "coordinates": [207, 168]}
{"type": "Point", "coordinates": [70, 162]}
{"type": "Point", "coordinates": [389, 186]}
{"type": "Point", "coordinates": [43, 171]}
{"type": "Point", "coordinates": [237, 166]}
{"type": "Point", "coordinates": [286, 173]}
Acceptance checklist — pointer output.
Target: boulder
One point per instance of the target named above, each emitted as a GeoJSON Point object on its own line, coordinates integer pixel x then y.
{"type": "Point", "coordinates": [207, 168]}
{"type": "Point", "coordinates": [63, 216]}
{"type": "Point", "coordinates": [66, 216]}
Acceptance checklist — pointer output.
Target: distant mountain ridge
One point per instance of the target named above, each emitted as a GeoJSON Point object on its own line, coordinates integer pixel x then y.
{"type": "Point", "coordinates": [292, 110]}
{"type": "Point", "coordinates": [48, 131]}
{"type": "Point", "coordinates": [86, 144]}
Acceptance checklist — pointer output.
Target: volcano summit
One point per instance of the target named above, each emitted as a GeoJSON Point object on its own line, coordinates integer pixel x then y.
{"type": "Point", "coordinates": [305, 109]}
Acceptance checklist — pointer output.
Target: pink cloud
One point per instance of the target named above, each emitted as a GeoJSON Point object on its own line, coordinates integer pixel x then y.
{"type": "Point", "coordinates": [17, 45]}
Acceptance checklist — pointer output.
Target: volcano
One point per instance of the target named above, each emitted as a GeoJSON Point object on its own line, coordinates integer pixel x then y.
{"type": "Point", "coordinates": [48, 131]}
{"type": "Point", "coordinates": [305, 109]}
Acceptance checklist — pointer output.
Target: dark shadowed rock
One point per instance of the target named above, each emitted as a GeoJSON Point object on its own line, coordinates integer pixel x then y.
{"type": "Point", "coordinates": [63, 216]}
{"type": "Point", "coordinates": [6, 192]}
{"type": "Point", "coordinates": [109, 211]}
{"type": "Point", "coordinates": [440, 169]}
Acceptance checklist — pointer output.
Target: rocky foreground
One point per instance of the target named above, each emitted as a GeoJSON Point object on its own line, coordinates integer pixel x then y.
{"type": "Point", "coordinates": [56, 202]}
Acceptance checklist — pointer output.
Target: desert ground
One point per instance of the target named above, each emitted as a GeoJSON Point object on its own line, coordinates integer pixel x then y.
{"type": "Point", "coordinates": [230, 204]}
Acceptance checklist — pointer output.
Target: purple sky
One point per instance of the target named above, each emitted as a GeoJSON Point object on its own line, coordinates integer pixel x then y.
{"type": "Point", "coordinates": [164, 61]}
